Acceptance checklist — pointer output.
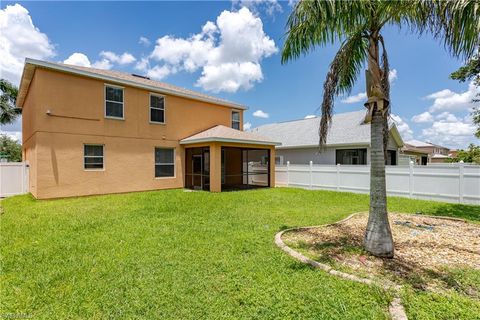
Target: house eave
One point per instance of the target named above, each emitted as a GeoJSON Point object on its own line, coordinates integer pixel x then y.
{"type": "Point", "coordinates": [227, 140]}
{"type": "Point", "coordinates": [309, 146]}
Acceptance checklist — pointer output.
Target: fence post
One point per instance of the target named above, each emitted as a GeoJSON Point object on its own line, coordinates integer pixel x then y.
{"type": "Point", "coordinates": [288, 173]}
{"type": "Point", "coordinates": [311, 165]}
{"type": "Point", "coordinates": [461, 168]}
{"type": "Point", "coordinates": [338, 176]}
{"type": "Point", "coordinates": [410, 180]}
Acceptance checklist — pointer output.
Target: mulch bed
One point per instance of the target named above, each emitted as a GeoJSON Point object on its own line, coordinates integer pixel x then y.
{"type": "Point", "coordinates": [426, 249]}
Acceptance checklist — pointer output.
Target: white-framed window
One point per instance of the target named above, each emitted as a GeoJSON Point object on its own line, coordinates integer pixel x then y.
{"type": "Point", "coordinates": [236, 120]}
{"type": "Point", "coordinates": [114, 108]}
{"type": "Point", "coordinates": [93, 157]}
{"type": "Point", "coordinates": [164, 162]}
{"type": "Point", "coordinates": [157, 108]}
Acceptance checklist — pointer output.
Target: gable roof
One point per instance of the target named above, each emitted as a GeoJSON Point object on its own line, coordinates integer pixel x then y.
{"type": "Point", "coordinates": [346, 129]}
{"type": "Point", "coordinates": [116, 77]}
{"type": "Point", "coordinates": [222, 133]}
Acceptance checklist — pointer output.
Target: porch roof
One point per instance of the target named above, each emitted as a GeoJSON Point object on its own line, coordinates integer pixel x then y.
{"type": "Point", "coordinates": [222, 133]}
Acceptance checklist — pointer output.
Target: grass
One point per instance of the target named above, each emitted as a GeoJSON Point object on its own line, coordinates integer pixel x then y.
{"type": "Point", "coordinates": [176, 254]}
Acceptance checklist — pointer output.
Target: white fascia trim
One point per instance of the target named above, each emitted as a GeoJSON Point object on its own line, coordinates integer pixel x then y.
{"type": "Point", "coordinates": [343, 145]}
{"type": "Point", "coordinates": [67, 69]}
{"type": "Point", "coordinates": [213, 139]}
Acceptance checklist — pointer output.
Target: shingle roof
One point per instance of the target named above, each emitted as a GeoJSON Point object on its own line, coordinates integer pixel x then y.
{"type": "Point", "coordinates": [225, 134]}
{"type": "Point", "coordinates": [346, 128]}
{"type": "Point", "coordinates": [121, 77]}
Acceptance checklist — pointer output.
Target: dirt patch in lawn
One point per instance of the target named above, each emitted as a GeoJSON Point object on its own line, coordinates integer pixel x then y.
{"type": "Point", "coordinates": [430, 253]}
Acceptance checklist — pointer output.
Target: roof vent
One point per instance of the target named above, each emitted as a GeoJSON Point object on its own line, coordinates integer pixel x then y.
{"type": "Point", "coordinates": [140, 76]}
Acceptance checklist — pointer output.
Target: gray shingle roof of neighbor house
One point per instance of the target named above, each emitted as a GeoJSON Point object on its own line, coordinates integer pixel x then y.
{"type": "Point", "coordinates": [115, 76]}
{"type": "Point", "coordinates": [346, 129]}
{"type": "Point", "coordinates": [222, 133]}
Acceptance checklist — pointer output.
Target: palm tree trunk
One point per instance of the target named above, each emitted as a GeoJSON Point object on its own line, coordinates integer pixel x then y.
{"type": "Point", "coordinates": [378, 236]}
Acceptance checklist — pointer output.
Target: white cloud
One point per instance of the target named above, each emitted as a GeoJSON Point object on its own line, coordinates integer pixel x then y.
{"type": "Point", "coordinates": [19, 38]}
{"type": "Point", "coordinates": [78, 59]}
{"type": "Point", "coordinates": [103, 64]}
{"type": "Point", "coordinates": [142, 65]}
{"type": "Point", "coordinates": [362, 96]}
{"type": "Point", "coordinates": [269, 6]}
{"type": "Point", "coordinates": [230, 77]}
{"type": "Point", "coordinates": [247, 126]}
{"type": "Point", "coordinates": [392, 75]}
{"type": "Point", "coordinates": [403, 127]}
{"type": "Point", "coordinates": [448, 100]}
{"type": "Point", "coordinates": [108, 59]}
{"type": "Point", "coordinates": [159, 72]}
{"type": "Point", "coordinates": [455, 134]}
{"type": "Point", "coordinates": [124, 58]}
{"type": "Point", "coordinates": [144, 41]}
{"type": "Point", "coordinates": [447, 116]}
{"type": "Point", "coordinates": [228, 52]}
{"type": "Point", "coordinates": [260, 114]}
{"type": "Point", "coordinates": [309, 116]}
{"type": "Point", "coordinates": [423, 117]}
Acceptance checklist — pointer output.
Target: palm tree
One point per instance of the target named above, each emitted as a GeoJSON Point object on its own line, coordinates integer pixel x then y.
{"type": "Point", "coordinates": [358, 26]}
{"type": "Point", "coordinates": [8, 111]}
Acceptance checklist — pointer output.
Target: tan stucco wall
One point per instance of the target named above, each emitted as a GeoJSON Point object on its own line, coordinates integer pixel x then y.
{"type": "Point", "coordinates": [129, 165]}
{"type": "Point", "coordinates": [54, 143]}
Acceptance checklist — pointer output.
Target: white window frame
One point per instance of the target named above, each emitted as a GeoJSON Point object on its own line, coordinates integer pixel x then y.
{"type": "Point", "coordinates": [150, 108]}
{"type": "Point", "coordinates": [239, 120]}
{"type": "Point", "coordinates": [85, 156]}
{"type": "Point", "coordinates": [174, 164]}
{"type": "Point", "coordinates": [105, 101]}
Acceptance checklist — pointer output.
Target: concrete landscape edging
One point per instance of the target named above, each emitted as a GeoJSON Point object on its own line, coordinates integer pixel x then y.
{"type": "Point", "coordinates": [395, 309]}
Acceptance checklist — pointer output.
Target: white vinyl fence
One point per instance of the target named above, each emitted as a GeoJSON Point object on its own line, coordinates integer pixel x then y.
{"type": "Point", "coordinates": [451, 183]}
{"type": "Point", "coordinates": [13, 178]}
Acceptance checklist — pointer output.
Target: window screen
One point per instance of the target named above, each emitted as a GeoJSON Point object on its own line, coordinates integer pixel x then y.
{"type": "Point", "coordinates": [236, 120]}
{"type": "Point", "coordinates": [113, 102]}
{"type": "Point", "coordinates": [93, 156]}
{"type": "Point", "coordinates": [157, 109]}
{"type": "Point", "coordinates": [164, 162]}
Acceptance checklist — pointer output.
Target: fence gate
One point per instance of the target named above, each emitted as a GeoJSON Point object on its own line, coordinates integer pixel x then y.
{"type": "Point", "coordinates": [13, 178]}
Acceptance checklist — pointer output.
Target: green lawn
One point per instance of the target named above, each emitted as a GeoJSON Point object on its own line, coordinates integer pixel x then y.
{"type": "Point", "coordinates": [176, 254]}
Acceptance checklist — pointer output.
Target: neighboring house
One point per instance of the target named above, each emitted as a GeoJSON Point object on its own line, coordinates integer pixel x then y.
{"type": "Point", "coordinates": [88, 131]}
{"type": "Point", "coordinates": [348, 140]}
{"type": "Point", "coordinates": [410, 153]}
{"type": "Point", "coordinates": [436, 153]}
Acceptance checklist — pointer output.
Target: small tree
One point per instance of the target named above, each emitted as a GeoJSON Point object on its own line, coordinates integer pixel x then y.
{"type": "Point", "coordinates": [471, 155]}
{"type": "Point", "coordinates": [471, 71]}
{"type": "Point", "coordinates": [8, 111]}
{"type": "Point", "coordinates": [10, 149]}
{"type": "Point", "coordinates": [358, 26]}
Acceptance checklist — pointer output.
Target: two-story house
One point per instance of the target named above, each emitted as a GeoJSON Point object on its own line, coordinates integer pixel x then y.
{"type": "Point", "coordinates": [436, 153]}
{"type": "Point", "coordinates": [89, 131]}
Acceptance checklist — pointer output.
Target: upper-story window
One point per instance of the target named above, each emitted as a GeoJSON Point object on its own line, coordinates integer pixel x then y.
{"type": "Point", "coordinates": [157, 108]}
{"type": "Point", "coordinates": [236, 120]}
{"type": "Point", "coordinates": [113, 102]}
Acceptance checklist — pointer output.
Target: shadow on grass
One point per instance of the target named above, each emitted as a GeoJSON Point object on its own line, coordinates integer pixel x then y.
{"type": "Point", "coordinates": [468, 212]}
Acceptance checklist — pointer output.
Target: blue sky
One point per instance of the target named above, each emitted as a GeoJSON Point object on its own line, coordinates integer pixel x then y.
{"type": "Point", "coordinates": [235, 56]}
